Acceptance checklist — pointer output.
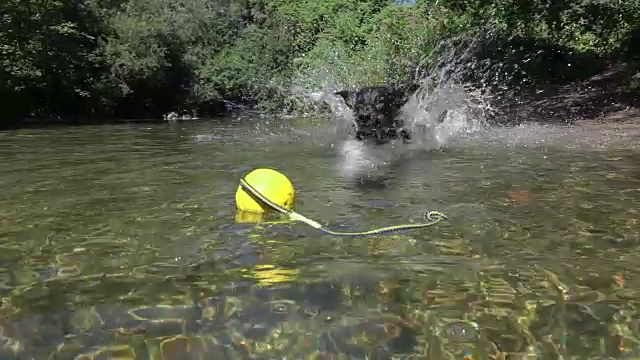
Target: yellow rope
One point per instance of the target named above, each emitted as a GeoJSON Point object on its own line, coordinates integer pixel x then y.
{"type": "Point", "coordinates": [432, 217]}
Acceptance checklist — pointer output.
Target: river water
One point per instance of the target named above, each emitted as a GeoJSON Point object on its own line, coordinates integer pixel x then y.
{"type": "Point", "coordinates": [122, 241]}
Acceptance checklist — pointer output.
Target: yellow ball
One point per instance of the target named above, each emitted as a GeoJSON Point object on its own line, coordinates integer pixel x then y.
{"type": "Point", "coordinates": [270, 183]}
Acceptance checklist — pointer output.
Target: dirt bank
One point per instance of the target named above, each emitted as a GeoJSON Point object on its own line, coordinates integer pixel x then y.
{"type": "Point", "coordinates": [611, 97]}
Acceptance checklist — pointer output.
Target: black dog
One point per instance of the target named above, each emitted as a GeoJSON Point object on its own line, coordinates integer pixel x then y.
{"type": "Point", "coordinates": [375, 110]}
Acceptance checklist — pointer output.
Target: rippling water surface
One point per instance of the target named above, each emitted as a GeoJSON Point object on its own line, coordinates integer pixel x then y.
{"type": "Point", "coordinates": [121, 241]}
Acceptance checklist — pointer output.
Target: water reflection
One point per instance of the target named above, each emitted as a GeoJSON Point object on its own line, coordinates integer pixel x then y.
{"type": "Point", "coordinates": [123, 241]}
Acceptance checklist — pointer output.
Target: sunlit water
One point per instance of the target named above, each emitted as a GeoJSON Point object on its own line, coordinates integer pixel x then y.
{"type": "Point", "coordinates": [100, 225]}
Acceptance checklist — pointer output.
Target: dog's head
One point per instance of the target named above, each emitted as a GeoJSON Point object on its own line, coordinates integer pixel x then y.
{"type": "Point", "coordinates": [375, 110]}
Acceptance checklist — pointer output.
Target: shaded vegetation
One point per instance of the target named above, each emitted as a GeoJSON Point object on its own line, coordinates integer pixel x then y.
{"type": "Point", "coordinates": [143, 58]}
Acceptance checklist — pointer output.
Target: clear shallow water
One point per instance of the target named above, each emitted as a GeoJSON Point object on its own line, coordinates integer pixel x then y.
{"type": "Point", "coordinates": [117, 238]}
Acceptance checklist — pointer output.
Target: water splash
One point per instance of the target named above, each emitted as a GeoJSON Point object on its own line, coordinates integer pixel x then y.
{"type": "Point", "coordinates": [447, 106]}
{"type": "Point", "coordinates": [359, 160]}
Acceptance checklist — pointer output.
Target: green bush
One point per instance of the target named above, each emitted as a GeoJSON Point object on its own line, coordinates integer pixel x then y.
{"type": "Point", "coordinates": [146, 57]}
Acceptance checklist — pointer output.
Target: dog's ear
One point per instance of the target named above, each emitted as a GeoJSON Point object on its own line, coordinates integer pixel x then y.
{"type": "Point", "coordinates": [408, 88]}
{"type": "Point", "coordinates": [401, 101]}
{"type": "Point", "coordinates": [346, 95]}
{"type": "Point", "coordinates": [403, 92]}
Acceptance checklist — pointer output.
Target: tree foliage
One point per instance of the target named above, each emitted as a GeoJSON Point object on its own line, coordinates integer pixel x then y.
{"type": "Point", "coordinates": [136, 58]}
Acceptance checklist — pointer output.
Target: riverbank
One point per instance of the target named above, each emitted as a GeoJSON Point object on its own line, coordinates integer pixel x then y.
{"type": "Point", "coordinates": [60, 122]}
{"type": "Point", "coordinates": [609, 96]}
